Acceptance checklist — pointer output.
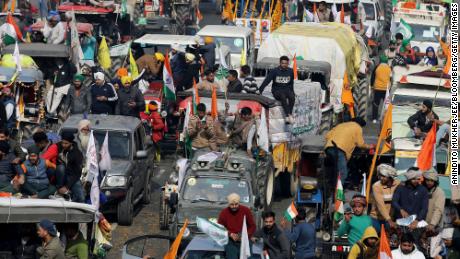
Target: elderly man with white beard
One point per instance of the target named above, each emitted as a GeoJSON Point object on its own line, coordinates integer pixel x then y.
{"type": "Point", "coordinates": [82, 140]}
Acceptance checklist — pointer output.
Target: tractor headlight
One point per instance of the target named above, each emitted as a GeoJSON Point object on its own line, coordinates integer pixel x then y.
{"type": "Point", "coordinates": [115, 181]}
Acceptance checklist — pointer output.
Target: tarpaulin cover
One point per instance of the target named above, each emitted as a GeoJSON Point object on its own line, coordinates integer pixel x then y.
{"type": "Point", "coordinates": [81, 27]}
{"type": "Point", "coordinates": [334, 43]}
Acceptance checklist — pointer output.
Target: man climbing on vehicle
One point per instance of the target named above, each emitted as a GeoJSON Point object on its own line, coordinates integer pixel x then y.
{"type": "Point", "coordinates": [382, 194]}
{"type": "Point", "coordinates": [411, 198]}
{"type": "Point", "coordinates": [201, 129]}
{"type": "Point", "coordinates": [282, 79]}
{"type": "Point", "coordinates": [340, 143]}
{"type": "Point", "coordinates": [232, 219]}
{"type": "Point", "coordinates": [367, 247]}
{"type": "Point", "coordinates": [423, 119]}
{"type": "Point", "coordinates": [354, 224]}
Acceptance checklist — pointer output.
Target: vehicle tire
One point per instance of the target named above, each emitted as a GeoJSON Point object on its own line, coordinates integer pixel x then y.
{"type": "Point", "coordinates": [293, 182]}
{"type": "Point", "coordinates": [388, 13]}
{"type": "Point", "coordinates": [125, 210]}
{"type": "Point", "coordinates": [267, 187]}
{"type": "Point", "coordinates": [182, 14]}
{"type": "Point", "coordinates": [147, 195]}
{"type": "Point", "coordinates": [326, 122]}
{"type": "Point", "coordinates": [360, 96]}
{"type": "Point", "coordinates": [164, 213]}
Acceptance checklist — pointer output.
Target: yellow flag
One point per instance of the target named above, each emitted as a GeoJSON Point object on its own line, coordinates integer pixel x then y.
{"type": "Point", "coordinates": [175, 246]}
{"type": "Point", "coordinates": [132, 65]}
{"type": "Point", "coordinates": [243, 57]}
{"type": "Point", "coordinates": [103, 55]}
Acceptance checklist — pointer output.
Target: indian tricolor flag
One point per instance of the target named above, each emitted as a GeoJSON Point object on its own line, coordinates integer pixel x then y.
{"type": "Point", "coordinates": [169, 90]}
{"type": "Point", "coordinates": [339, 198]}
{"type": "Point", "coordinates": [291, 212]}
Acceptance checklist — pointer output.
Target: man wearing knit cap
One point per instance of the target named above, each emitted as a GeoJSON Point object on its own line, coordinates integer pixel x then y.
{"type": "Point", "coordinates": [423, 119]}
{"type": "Point", "coordinates": [411, 198]}
{"type": "Point", "coordinates": [69, 167]}
{"type": "Point", "coordinates": [232, 219]}
{"type": "Point", "coordinates": [103, 95]}
{"type": "Point", "coordinates": [436, 201]}
{"type": "Point", "coordinates": [8, 181]}
{"type": "Point", "coordinates": [78, 100]}
{"type": "Point", "coordinates": [382, 193]}
{"type": "Point", "coordinates": [51, 247]}
{"type": "Point", "coordinates": [130, 99]}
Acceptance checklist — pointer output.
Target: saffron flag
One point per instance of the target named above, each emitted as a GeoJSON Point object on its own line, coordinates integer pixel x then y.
{"type": "Point", "coordinates": [172, 253]}
{"type": "Point", "coordinates": [214, 112]}
{"type": "Point", "coordinates": [17, 57]}
{"type": "Point", "coordinates": [425, 157]}
{"type": "Point", "coordinates": [384, 248]}
{"type": "Point", "coordinates": [169, 89]}
{"type": "Point", "coordinates": [339, 198]}
{"type": "Point", "coordinates": [133, 66]}
{"type": "Point", "coordinates": [447, 53]}
{"type": "Point", "coordinates": [245, 250]}
{"type": "Point", "coordinates": [262, 132]}
{"type": "Point", "coordinates": [92, 167]}
{"type": "Point", "coordinates": [106, 160]}
{"type": "Point", "coordinates": [103, 56]}
{"type": "Point", "coordinates": [342, 14]}
{"type": "Point", "coordinates": [291, 212]}
{"type": "Point", "coordinates": [294, 67]}
{"type": "Point", "coordinates": [199, 17]}
{"type": "Point", "coordinates": [10, 20]}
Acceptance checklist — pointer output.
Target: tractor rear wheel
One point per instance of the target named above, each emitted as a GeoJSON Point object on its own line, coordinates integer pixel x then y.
{"type": "Point", "coordinates": [182, 15]}
{"type": "Point", "coordinates": [360, 97]}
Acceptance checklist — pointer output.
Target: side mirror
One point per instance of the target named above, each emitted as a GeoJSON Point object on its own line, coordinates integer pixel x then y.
{"type": "Point", "coordinates": [141, 154]}
{"type": "Point", "coordinates": [257, 202]}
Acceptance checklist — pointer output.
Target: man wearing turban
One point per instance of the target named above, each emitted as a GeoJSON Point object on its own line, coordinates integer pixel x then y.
{"type": "Point", "coordinates": [103, 95]}
{"type": "Point", "coordinates": [78, 100]}
{"type": "Point", "coordinates": [130, 99]}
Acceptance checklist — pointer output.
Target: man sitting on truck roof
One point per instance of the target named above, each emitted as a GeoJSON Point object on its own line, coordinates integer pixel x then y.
{"type": "Point", "coordinates": [282, 79]}
{"type": "Point", "coordinates": [423, 119]}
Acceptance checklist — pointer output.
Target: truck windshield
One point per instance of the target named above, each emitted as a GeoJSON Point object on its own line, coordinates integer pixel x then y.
{"type": "Point", "coordinates": [370, 11]}
{"type": "Point", "coordinates": [235, 44]}
{"type": "Point", "coordinates": [399, 99]}
{"type": "Point", "coordinates": [215, 189]}
{"type": "Point", "coordinates": [425, 32]}
{"type": "Point", "coordinates": [119, 143]}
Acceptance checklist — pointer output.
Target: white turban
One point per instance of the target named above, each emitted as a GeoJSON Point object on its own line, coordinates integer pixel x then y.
{"type": "Point", "coordinates": [411, 174]}
{"type": "Point", "coordinates": [233, 198]}
{"type": "Point", "coordinates": [83, 124]}
{"type": "Point", "coordinates": [176, 47]}
{"type": "Point", "coordinates": [99, 76]}
{"type": "Point", "coordinates": [387, 170]}
{"type": "Point", "coordinates": [189, 57]}
{"type": "Point", "coordinates": [447, 233]}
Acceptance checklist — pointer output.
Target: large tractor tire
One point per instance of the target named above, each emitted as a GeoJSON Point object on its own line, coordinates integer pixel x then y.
{"type": "Point", "coordinates": [182, 15]}
{"type": "Point", "coordinates": [164, 213]}
{"type": "Point", "coordinates": [125, 210]}
{"type": "Point", "coordinates": [388, 14]}
{"type": "Point", "coordinates": [361, 97]}
{"type": "Point", "coordinates": [326, 122]}
{"type": "Point", "coordinates": [147, 193]}
{"type": "Point", "coordinates": [266, 184]}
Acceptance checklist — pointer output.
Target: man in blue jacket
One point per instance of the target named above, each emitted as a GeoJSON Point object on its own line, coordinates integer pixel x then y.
{"type": "Point", "coordinates": [411, 198]}
{"type": "Point", "coordinates": [103, 95]}
{"type": "Point", "coordinates": [303, 234]}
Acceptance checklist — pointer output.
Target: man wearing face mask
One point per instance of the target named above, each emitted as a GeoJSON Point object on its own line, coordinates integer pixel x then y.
{"type": "Point", "coordinates": [232, 219]}
{"type": "Point", "coordinates": [275, 242]}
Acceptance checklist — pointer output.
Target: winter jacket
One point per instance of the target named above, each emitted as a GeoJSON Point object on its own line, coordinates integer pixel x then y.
{"type": "Point", "coordinates": [103, 107]}
{"type": "Point", "coordinates": [241, 131]}
{"type": "Point", "coordinates": [50, 152]}
{"type": "Point", "coordinates": [381, 199]}
{"type": "Point", "coordinates": [235, 86]}
{"type": "Point", "coordinates": [78, 104]}
{"type": "Point", "coordinates": [420, 121]}
{"type": "Point", "coordinates": [36, 174]}
{"type": "Point", "coordinates": [156, 122]}
{"type": "Point", "coordinates": [73, 161]}
{"type": "Point", "coordinates": [7, 169]}
{"type": "Point", "coordinates": [202, 138]}
{"type": "Point", "coordinates": [282, 79]}
{"type": "Point", "coordinates": [149, 63]}
{"type": "Point", "coordinates": [125, 95]}
{"type": "Point", "coordinates": [415, 254]}
{"type": "Point", "coordinates": [413, 200]}
{"type": "Point", "coordinates": [355, 228]}
{"type": "Point", "coordinates": [51, 250]}
{"type": "Point", "coordinates": [346, 136]}
{"type": "Point", "coordinates": [77, 249]}
{"type": "Point", "coordinates": [250, 85]}
{"type": "Point", "coordinates": [64, 74]}
{"type": "Point", "coordinates": [361, 251]}
{"type": "Point", "coordinates": [178, 64]}
{"type": "Point", "coordinates": [435, 206]}
{"type": "Point", "coordinates": [303, 234]}
{"type": "Point", "coordinates": [3, 120]}
{"type": "Point", "coordinates": [275, 242]}
{"type": "Point", "coordinates": [233, 221]}
{"type": "Point", "coordinates": [209, 54]}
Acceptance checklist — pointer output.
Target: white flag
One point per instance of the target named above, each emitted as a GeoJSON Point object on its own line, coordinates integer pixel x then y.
{"type": "Point", "coordinates": [245, 250]}
{"type": "Point", "coordinates": [93, 170]}
{"type": "Point", "coordinates": [17, 58]}
{"type": "Point", "coordinates": [363, 190]}
{"type": "Point", "coordinates": [262, 132]}
{"type": "Point", "coordinates": [106, 160]}
{"type": "Point", "coordinates": [76, 50]}
{"type": "Point", "coordinates": [222, 60]}
{"type": "Point", "coordinates": [187, 116]}
{"type": "Point", "coordinates": [386, 103]}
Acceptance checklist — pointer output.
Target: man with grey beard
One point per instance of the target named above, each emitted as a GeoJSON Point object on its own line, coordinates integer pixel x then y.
{"type": "Point", "coordinates": [82, 137]}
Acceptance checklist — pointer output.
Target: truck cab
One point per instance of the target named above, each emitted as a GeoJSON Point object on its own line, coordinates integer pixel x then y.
{"type": "Point", "coordinates": [374, 19]}
{"type": "Point", "coordinates": [427, 22]}
{"type": "Point", "coordinates": [239, 40]}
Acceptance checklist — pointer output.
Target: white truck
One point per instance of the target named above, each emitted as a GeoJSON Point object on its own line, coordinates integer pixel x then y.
{"type": "Point", "coordinates": [427, 22]}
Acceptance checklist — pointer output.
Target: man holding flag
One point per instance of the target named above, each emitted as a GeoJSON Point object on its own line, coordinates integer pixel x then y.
{"type": "Point", "coordinates": [303, 234]}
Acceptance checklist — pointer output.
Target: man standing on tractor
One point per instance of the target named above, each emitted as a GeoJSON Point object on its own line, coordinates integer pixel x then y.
{"type": "Point", "coordinates": [382, 193]}
{"type": "Point", "coordinates": [130, 99]}
{"type": "Point", "coordinates": [340, 143]}
{"type": "Point", "coordinates": [367, 247]}
{"type": "Point", "coordinates": [411, 198]}
{"type": "Point", "coordinates": [209, 52]}
{"type": "Point", "coordinates": [355, 223]}
{"type": "Point", "coordinates": [78, 100]}
{"type": "Point", "coordinates": [103, 95]}
{"type": "Point", "coordinates": [282, 79]}
{"type": "Point", "coordinates": [178, 64]}
{"type": "Point", "coordinates": [54, 31]}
